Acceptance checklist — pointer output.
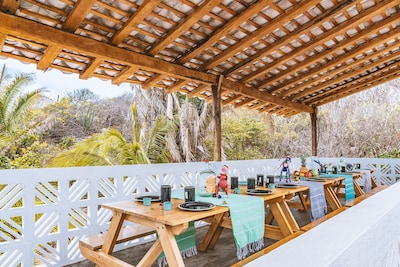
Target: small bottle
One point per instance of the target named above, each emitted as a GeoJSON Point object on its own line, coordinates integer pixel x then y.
{"type": "Point", "coordinates": [342, 164]}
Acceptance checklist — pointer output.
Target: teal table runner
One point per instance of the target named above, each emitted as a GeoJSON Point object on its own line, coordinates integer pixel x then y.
{"type": "Point", "coordinates": [186, 244]}
{"type": "Point", "coordinates": [348, 183]}
{"type": "Point", "coordinates": [247, 214]}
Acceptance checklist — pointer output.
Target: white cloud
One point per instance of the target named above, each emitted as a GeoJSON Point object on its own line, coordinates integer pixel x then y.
{"type": "Point", "coordinates": [59, 83]}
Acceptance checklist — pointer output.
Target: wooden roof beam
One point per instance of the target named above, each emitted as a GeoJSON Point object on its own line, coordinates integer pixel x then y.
{"type": "Point", "coordinates": [91, 68]}
{"type": "Point", "coordinates": [221, 32]}
{"type": "Point", "coordinates": [196, 92]}
{"type": "Point", "coordinates": [48, 57]}
{"type": "Point", "coordinates": [340, 29]}
{"type": "Point", "coordinates": [3, 37]}
{"type": "Point", "coordinates": [243, 102]}
{"type": "Point", "coordinates": [260, 33]}
{"type": "Point", "coordinates": [181, 28]}
{"type": "Point", "coordinates": [345, 56]}
{"type": "Point", "coordinates": [51, 36]}
{"type": "Point", "coordinates": [152, 81]}
{"type": "Point", "coordinates": [124, 74]}
{"type": "Point", "coordinates": [231, 100]}
{"type": "Point", "coordinates": [10, 6]}
{"type": "Point", "coordinates": [313, 23]}
{"type": "Point", "coordinates": [341, 59]}
{"type": "Point", "coordinates": [347, 75]}
{"type": "Point", "coordinates": [175, 87]}
{"type": "Point", "coordinates": [141, 13]}
{"type": "Point", "coordinates": [264, 96]}
{"type": "Point", "coordinates": [384, 76]}
{"type": "Point", "coordinates": [77, 15]}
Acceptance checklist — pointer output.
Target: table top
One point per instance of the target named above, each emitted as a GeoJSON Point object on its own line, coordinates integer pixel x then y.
{"type": "Point", "coordinates": [326, 180]}
{"type": "Point", "coordinates": [277, 192]}
{"type": "Point", "coordinates": [155, 212]}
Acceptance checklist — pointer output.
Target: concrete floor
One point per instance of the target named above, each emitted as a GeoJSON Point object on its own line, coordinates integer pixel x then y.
{"type": "Point", "coordinates": [223, 255]}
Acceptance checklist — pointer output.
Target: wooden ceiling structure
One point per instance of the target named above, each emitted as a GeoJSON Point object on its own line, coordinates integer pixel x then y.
{"type": "Point", "coordinates": [283, 57]}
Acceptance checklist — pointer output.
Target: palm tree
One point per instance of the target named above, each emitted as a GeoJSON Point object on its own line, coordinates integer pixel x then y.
{"type": "Point", "coordinates": [111, 148]}
{"type": "Point", "coordinates": [191, 119]}
{"type": "Point", "coordinates": [14, 107]}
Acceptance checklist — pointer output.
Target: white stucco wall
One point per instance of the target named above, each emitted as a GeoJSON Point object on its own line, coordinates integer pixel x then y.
{"type": "Point", "coordinates": [367, 234]}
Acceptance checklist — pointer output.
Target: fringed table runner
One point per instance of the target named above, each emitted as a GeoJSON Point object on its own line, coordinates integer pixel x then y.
{"type": "Point", "coordinates": [186, 244]}
{"type": "Point", "coordinates": [317, 199]}
{"type": "Point", "coordinates": [348, 184]}
{"type": "Point", "coordinates": [367, 183]}
{"type": "Point", "coordinates": [247, 215]}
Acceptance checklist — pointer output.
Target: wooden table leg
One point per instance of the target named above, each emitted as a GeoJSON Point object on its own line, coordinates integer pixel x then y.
{"type": "Point", "coordinates": [169, 246]}
{"type": "Point", "coordinates": [283, 216]}
{"type": "Point", "coordinates": [305, 200]}
{"type": "Point", "coordinates": [269, 218]}
{"type": "Point", "coordinates": [289, 217]}
{"type": "Point", "coordinates": [151, 255]}
{"type": "Point", "coordinates": [214, 232]}
{"type": "Point", "coordinates": [357, 189]}
{"type": "Point", "coordinates": [331, 198]}
{"type": "Point", "coordinates": [113, 232]}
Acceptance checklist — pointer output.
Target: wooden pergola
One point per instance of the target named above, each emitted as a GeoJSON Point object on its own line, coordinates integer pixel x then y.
{"type": "Point", "coordinates": [283, 57]}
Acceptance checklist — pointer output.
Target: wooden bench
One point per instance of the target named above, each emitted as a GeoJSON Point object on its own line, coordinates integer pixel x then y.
{"type": "Point", "coordinates": [267, 249]}
{"type": "Point", "coordinates": [127, 233]}
{"type": "Point", "coordinates": [359, 199]}
{"type": "Point", "coordinates": [323, 219]}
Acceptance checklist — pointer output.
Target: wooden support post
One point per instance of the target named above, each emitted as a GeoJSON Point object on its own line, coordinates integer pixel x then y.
{"type": "Point", "coordinates": [314, 137]}
{"type": "Point", "coordinates": [216, 92]}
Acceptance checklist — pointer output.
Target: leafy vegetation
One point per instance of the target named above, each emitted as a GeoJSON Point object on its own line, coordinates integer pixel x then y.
{"type": "Point", "coordinates": [150, 126]}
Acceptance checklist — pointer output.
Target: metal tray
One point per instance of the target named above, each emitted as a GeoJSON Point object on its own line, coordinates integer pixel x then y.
{"type": "Point", "coordinates": [196, 206]}
{"type": "Point", "coordinates": [287, 185]}
{"type": "Point", "coordinates": [260, 192]}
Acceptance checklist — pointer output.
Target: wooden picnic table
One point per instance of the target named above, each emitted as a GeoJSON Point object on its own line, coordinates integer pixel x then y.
{"type": "Point", "coordinates": [166, 223]}
{"type": "Point", "coordinates": [278, 211]}
{"type": "Point", "coordinates": [358, 187]}
{"type": "Point", "coordinates": [331, 189]}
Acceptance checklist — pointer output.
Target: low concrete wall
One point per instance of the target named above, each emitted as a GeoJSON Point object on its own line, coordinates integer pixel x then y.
{"type": "Point", "coordinates": [367, 234]}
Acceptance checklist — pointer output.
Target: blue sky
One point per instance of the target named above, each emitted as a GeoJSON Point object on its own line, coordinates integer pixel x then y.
{"type": "Point", "coordinates": [59, 83]}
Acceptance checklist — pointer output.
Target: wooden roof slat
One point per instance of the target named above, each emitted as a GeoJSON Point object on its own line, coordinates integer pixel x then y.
{"type": "Point", "coordinates": [232, 24]}
{"type": "Point", "coordinates": [77, 15]}
{"type": "Point", "coordinates": [9, 6]}
{"type": "Point", "coordinates": [152, 81]}
{"type": "Point", "coordinates": [349, 74]}
{"type": "Point", "coordinates": [340, 69]}
{"type": "Point", "coordinates": [205, 8]}
{"type": "Point", "coordinates": [356, 85]}
{"type": "Point", "coordinates": [375, 28]}
{"type": "Point", "coordinates": [141, 13]}
{"type": "Point", "coordinates": [91, 68]}
{"type": "Point", "coordinates": [254, 93]}
{"type": "Point", "coordinates": [124, 74]}
{"type": "Point", "coordinates": [52, 36]}
{"type": "Point", "coordinates": [48, 57]}
{"type": "Point", "coordinates": [325, 37]}
{"type": "Point", "coordinates": [260, 33]}
{"type": "Point", "coordinates": [279, 57]}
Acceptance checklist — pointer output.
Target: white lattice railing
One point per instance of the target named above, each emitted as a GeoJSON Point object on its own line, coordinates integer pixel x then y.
{"type": "Point", "coordinates": [44, 212]}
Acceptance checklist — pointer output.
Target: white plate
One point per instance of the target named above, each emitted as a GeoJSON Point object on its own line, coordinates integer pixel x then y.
{"type": "Point", "coordinates": [196, 206]}
{"type": "Point", "coordinates": [260, 192]}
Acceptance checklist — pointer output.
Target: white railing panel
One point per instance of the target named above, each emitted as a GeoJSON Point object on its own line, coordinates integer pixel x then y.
{"type": "Point", "coordinates": [44, 212]}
